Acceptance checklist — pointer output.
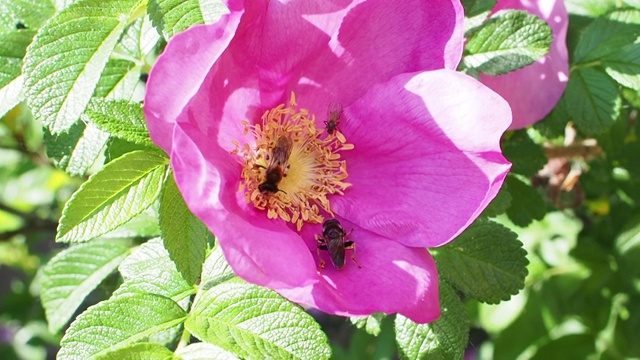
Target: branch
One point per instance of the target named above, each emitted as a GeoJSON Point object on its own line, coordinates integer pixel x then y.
{"type": "Point", "coordinates": [584, 149]}
{"type": "Point", "coordinates": [32, 223]}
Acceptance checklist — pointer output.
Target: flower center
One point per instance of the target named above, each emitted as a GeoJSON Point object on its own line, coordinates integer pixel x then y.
{"type": "Point", "coordinates": [293, 165]}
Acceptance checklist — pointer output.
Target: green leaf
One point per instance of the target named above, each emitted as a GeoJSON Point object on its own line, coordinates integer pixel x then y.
{"type": "Point", "coordinates": [76, 150]}
{"type": "Point", "coordinates": [13, 45]}
{"type": "Point", "coordinates": [624, 66]}
{"type": "Point", "coordinates": [61, 4]}
{"type": "Point", "coordinates": [139, 39]}
{"type": "Point", "coordinates": [118, 81]}
{"type": "Point", "coordinates": [590, 8]}
{"type": "Point", "coordinates": [120, 118]}
{"type": "Point", "coordinates": [111, 197]}
{"type": "Point", "coordinates": [184, 236]}
{"type": "Point", "coordinates": [117, 147]}
{"type": "Point", "coordinates": [554, 124]}
{"type": "Point", "coordinates": [593, 100]}
{"type": "Point", "coordinates": [215, 270]}
{"type": "Point", "coordinates": [30, 13]}
{"type": "Point", "coordinates": [372, 324]}
{"type": "Point", "coordinates": [65, 60]}
{"type": "Point", "coordinates": [142, 226]}
{"type": "Point", "coordinates": [476, 12]}
{"type": "Point", "coordinates": [204, 351]}
{"type": "Point", "coordinates": [118, 322]}
{"type": "Point", "coordinates": [445, 338]}
{"type": "Point", "coordinates": [256, 323]}
{"type": "Point", "coordinates": [10, 94]}
{"type": "Point", "coordinates": [174, 16]}
{"type": "Point", "coordinates": [509, 41]}
{"type": "Point", "coordinates": [476, 7]}
{"type": "Point", "coordinates": [72, 274]}
{"type": "Point", "coordinates": [486, 262]}
{"type": "Point", "coordinates": [499, 204]}
{"type": "Point", "coordinates": [607, 35]}
{"type": "Point", "coordinates": [140, 351]}
{"type": "Point", "coordinates": [526, 156]}
{"type": "Point", "coordinates": [526, 203]}
{"type": "Point", "coordinates": [150, 270]}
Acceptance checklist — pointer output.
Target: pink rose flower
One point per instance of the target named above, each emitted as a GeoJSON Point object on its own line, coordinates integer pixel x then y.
{"type": "Point", "coordinates": [534, 90]}
{"type": "Point", "coordinates": [240, 106]}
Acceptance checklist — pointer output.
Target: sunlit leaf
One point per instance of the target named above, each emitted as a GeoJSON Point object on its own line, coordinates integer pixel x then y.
{"type": "Point", "coordinates": [118, 322]}
{"type": "Point", "coordinates": [371, 324]}
{"type": "Point", "coordinates": [121, 190]}
{"type": "Point", "coordinates": [140, 351]}
{"type": "Point", "coordinates": [443, 339]}
{"type": "Point", "coordinates": [139, 39]}
{"type": "Point", "coordinates": [62, 75]}
{"type": "Point", "coordinates": [72, 274]}
{"type": "Point", "coordinates": [204, 351]}
{"type": "Point", "coordinates": [150, 270]}
{"type": "Point", "coordinates": [13, 45]}
{"type": "Point", "coordinates": [119, 118]}
{"type": "Point", "coordinates": [76, 150]}
{"type": "Point", "coordinates": [30, 14]}
{"type": "Point", "coordinates": [184, 236]}
{"type": "Point", "coordinates": [254, 322]}
{"type": "Point", "coordinates": [509, 41]}
{"type": "Point", "coordinates": [118, 80]}
{"type": "Point", "coordinates": [173, 16]}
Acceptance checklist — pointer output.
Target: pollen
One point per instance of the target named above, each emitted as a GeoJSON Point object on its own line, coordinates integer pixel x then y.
{"type": "Point", "coordinates": [292, 166]}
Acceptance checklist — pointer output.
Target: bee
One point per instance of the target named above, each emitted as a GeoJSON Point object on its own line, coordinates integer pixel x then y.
{"type": "Point", "coordinates": [277, 163]}
{"type": "Point", "coordinates": [333, 117]}
{"type": "Point", "coordinates": [333, 241]}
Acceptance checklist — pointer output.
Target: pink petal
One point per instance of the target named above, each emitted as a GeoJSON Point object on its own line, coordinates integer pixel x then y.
{"type": "Point", "coordinates": [259, 250]}
{"type": "Point", "coordinates": [180, 70]}
{"type": "Point", "coordinates": [205, 84]}
{"type": "Point", "coordinates": [316, 49]}
{"type": "Point", "coordinates": [534, 90]}
{"type": "Point", "coordinates": [393, 279]}
{"type": "Point", "coordinates": [375, 40]}
{"type": "Point", "coordinates": [427, 156]}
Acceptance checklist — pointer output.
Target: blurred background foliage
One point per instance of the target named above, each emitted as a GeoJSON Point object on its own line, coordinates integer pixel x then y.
{"type": "Point", "coordinates": [582, 294]}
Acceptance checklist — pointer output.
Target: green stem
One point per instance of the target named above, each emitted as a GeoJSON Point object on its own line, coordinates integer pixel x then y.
{"type": "Point", "coordinates": [584, 65]}
{"type": "Point", "coordinates": [184, 339]}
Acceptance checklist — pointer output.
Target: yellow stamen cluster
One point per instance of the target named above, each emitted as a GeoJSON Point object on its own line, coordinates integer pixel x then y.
{"type": "Point", "coordinates": [312, 171]}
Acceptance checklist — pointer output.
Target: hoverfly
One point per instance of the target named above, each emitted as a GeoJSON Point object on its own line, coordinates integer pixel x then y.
{"type": "Point", "coordinates": [333, 241]}
{"type": "Point", "coordinates": [333, 117]}
{"type": "Point", "coordinates": [277, 163]}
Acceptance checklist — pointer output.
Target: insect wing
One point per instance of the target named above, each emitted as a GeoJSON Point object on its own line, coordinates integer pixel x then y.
{"type": "Point", "coordinates": [335, 246]}
{"type": "Point", "coordinates": [281, 151]}
{"type": "Point", "coordinates": [333, 111]}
